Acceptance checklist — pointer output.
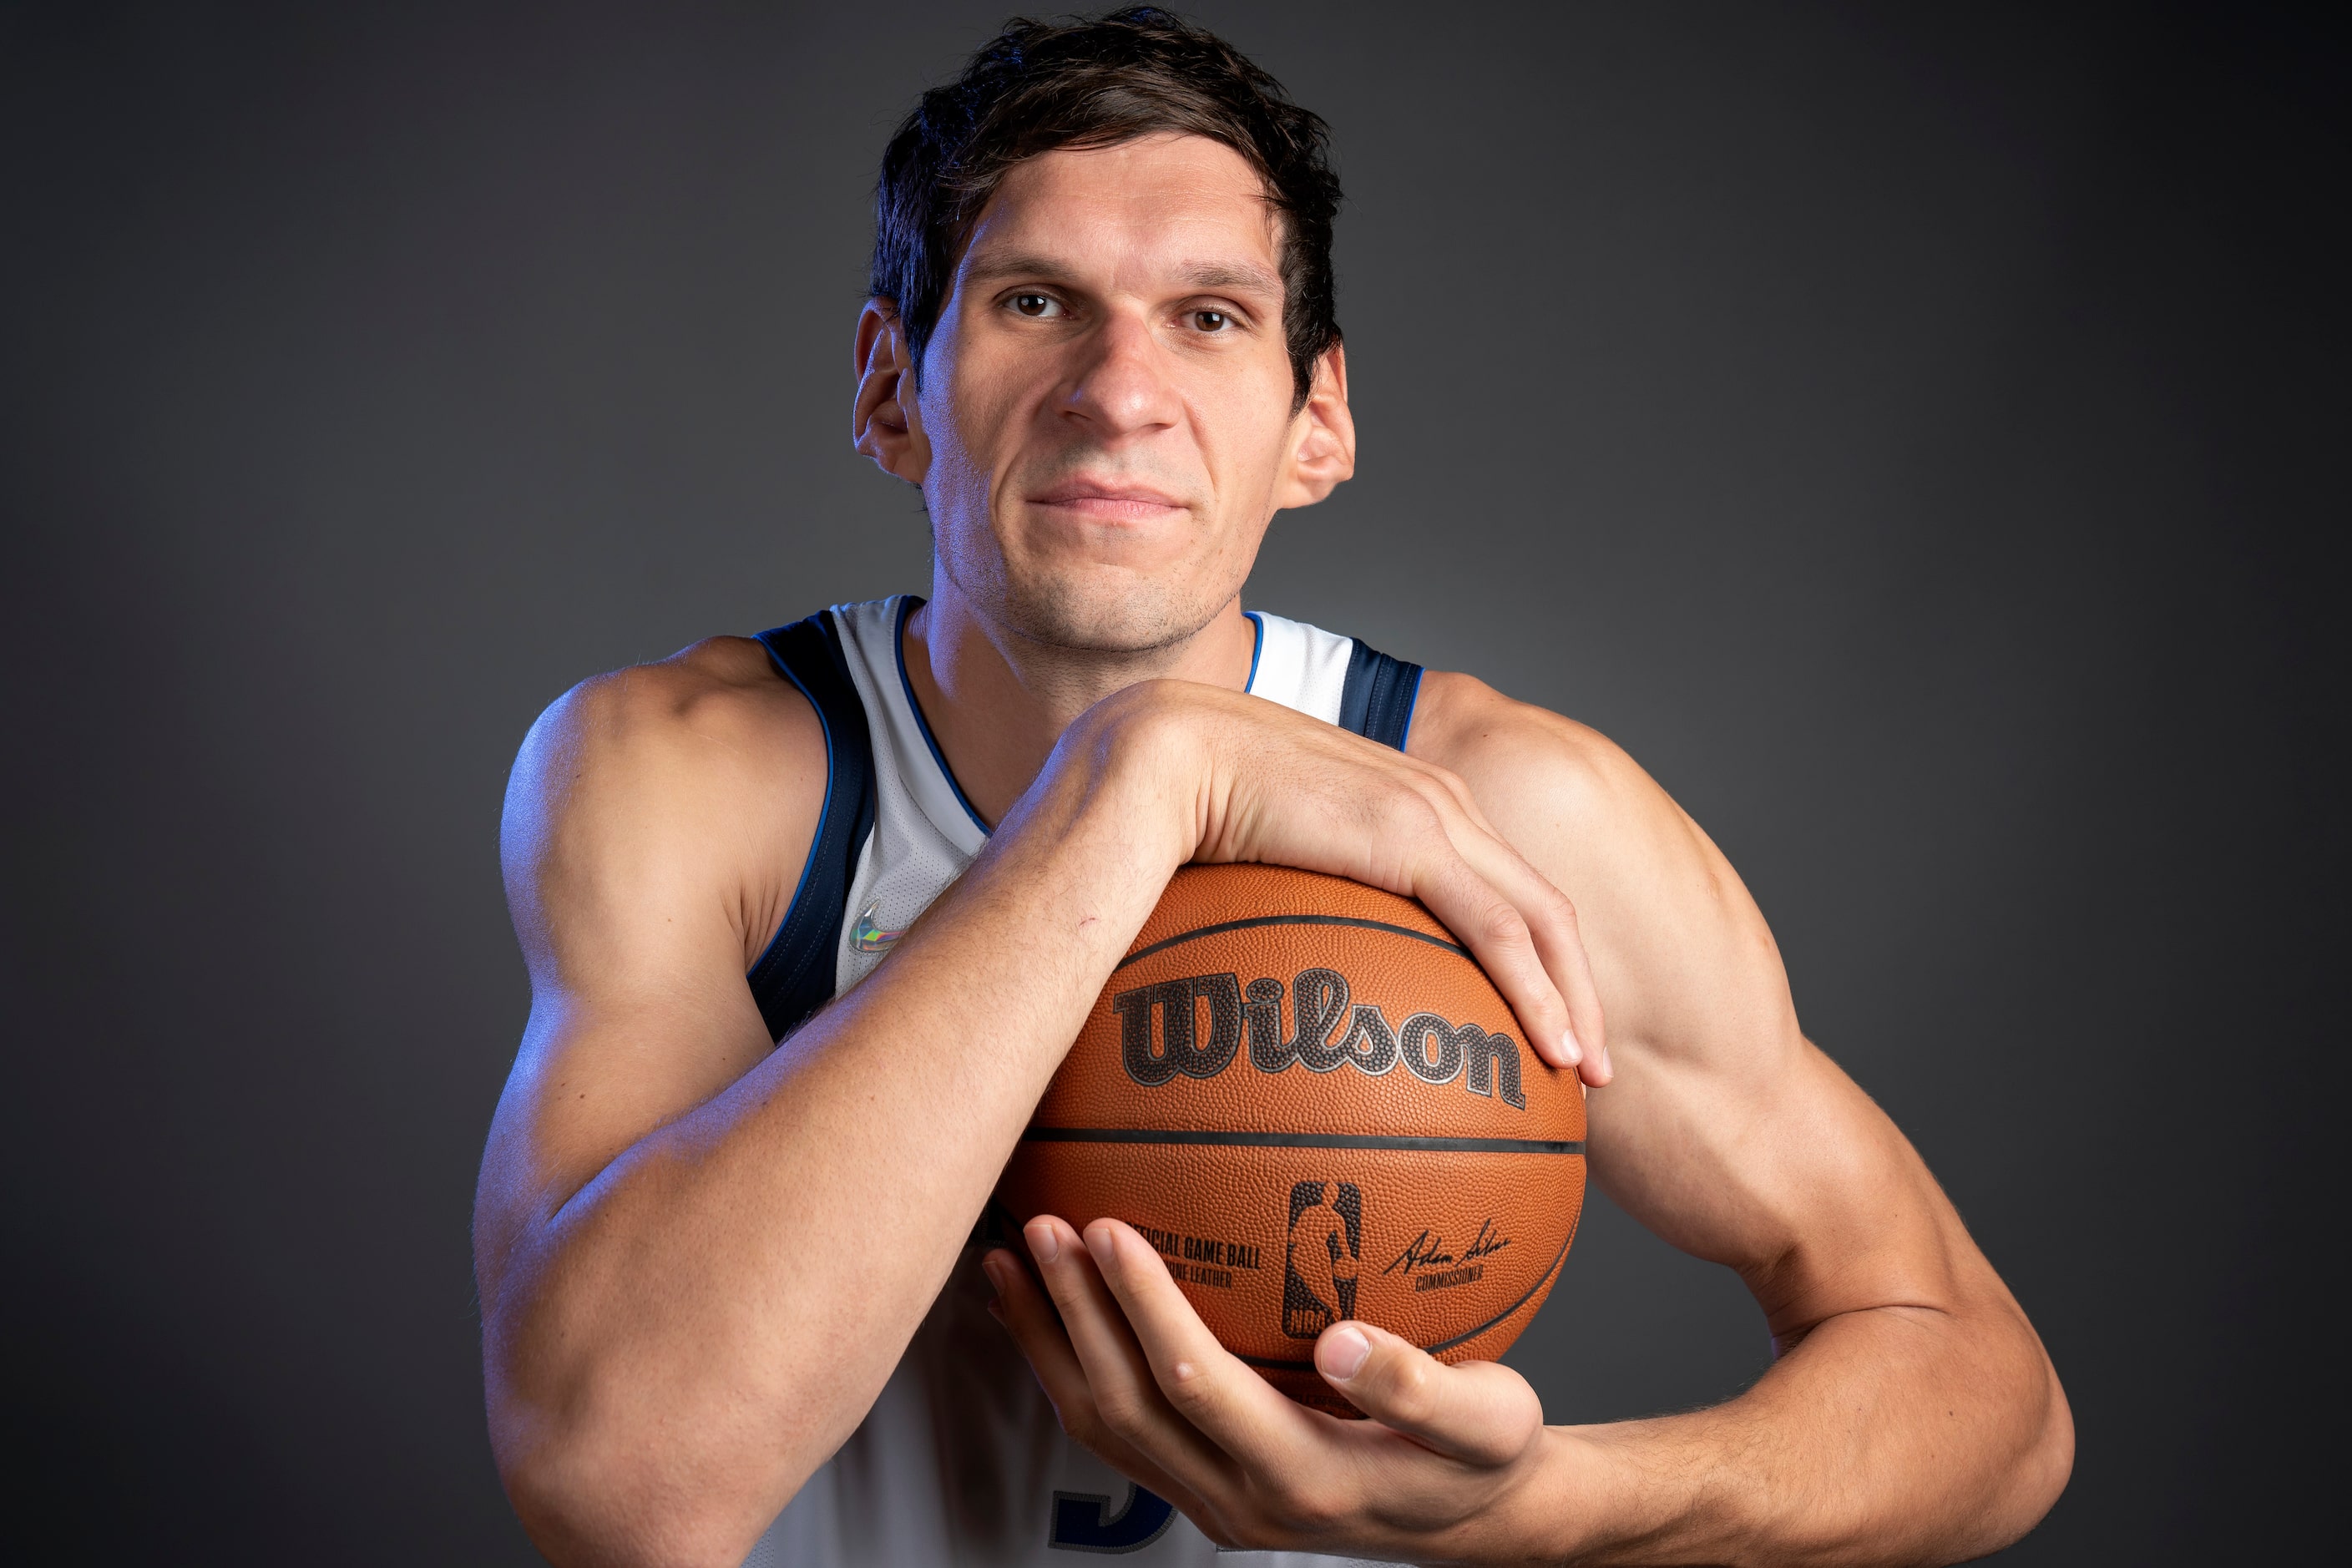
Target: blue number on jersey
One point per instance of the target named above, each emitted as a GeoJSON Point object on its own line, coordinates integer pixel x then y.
{"type": "Point", "coordinates": [1083, 1521]}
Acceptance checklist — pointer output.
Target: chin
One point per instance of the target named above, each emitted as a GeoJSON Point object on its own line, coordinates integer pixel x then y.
{"type": "Point", "coordinates": [1109, 612]}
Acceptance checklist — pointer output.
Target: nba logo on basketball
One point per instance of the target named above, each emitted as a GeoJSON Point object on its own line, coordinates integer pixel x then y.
{"type": "Point", "coordinates": [1319, 1263]}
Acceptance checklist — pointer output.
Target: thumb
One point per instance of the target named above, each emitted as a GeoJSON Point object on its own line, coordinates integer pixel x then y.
{"type": "Point", "coordinates": [1480, 1412]}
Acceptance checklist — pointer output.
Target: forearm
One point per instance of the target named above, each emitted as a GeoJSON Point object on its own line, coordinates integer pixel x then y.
{"type": "Point", "coordinates": [1897, 1435]}
{"type": "Point", "coordinates": [686, 1336]}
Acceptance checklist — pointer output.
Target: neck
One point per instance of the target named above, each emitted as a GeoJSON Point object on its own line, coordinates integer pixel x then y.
{"type": "Point", "coordinates": [997, 701]}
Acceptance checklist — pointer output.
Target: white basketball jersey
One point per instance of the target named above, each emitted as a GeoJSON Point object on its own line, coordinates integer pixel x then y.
{"type": "Point", "coordinates": [962, 1459]}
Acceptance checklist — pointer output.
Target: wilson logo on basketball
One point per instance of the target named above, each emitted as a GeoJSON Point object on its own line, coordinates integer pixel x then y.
{"type": "Point", "coordinates": [1432, 1050]}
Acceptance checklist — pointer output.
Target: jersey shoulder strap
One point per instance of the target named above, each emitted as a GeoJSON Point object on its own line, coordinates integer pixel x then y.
{"type": "Point", "coordinates": [794, 976]}
{"type": "Point", "coordinates": [1376, 702]}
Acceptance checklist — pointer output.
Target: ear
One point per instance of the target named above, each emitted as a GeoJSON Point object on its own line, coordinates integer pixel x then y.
{"type": "Point", "coordinates": [885, 423]}
{"type": "Point", "coordinates": [1323, 436]}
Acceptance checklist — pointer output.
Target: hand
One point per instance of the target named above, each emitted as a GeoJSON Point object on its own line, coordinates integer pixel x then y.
{"type": "Point", "coordinates": [1138, 1379]}
{"type": "Point", "coordinates": [1263, 783]}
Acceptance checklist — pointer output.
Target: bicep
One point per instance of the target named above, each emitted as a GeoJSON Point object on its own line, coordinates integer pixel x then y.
{"type": "Point", "coordinates": [1791, 1176]}
{"type": "Point", "coordinates": [1725, 1131]}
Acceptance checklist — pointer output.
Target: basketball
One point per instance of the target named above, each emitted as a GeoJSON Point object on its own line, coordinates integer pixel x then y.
{"type": "Point", "coordinates": [1310, 1098]}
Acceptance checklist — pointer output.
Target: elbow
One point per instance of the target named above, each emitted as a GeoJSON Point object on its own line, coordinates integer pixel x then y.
{"type": "Point", "coordinates": [599, 1495]}
{"type": "Point", "coordinates": [2024, 1479]}
{"type": "Point", "coordinates": [2044, 1464]}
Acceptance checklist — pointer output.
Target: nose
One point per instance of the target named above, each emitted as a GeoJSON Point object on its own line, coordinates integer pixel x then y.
{"type": "Point", "coordinates": [1120, 387]}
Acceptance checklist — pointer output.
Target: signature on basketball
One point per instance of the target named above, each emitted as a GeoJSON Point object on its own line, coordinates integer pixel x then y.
{"type": "Point", "coordinates": [1427, 1250]}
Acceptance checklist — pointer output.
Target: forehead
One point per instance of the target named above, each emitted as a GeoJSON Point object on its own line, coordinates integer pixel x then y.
{"type": "Point", "coordinates": [1167, 198]}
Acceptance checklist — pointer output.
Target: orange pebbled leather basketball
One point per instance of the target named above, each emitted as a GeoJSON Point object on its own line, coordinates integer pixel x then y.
{"type": "Point", "coordinates": [1312, 1100]}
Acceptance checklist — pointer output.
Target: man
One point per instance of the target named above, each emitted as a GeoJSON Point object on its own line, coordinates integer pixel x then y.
{"type": "Point", "coordinates": [724, 1233]}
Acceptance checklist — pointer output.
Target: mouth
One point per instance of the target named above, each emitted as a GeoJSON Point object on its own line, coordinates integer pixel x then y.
{"type": "Point", "coordinates": [1104, 501]}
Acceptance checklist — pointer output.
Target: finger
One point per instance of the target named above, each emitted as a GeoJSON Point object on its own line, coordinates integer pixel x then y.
{"type": "Point", "coordinates": [1465, 896]}
{"type": "Point", "coordinates": [1558, 940]}
{"type": "Point", "coordinates": [1459, 788]}
{"type": "Point", "coordinates": [1021, 1306]}
{"type": "Point", "coordinates": [1126, 1395]}
{"type": "Point", "coordinates": [1575, 1038]}
{"type": "Point", "coordinates": [1552, 927]}
{"type": "Point", "coordinates": [1480, 1412]}
{"type": "Point", "coordinates": [1202, 1381]}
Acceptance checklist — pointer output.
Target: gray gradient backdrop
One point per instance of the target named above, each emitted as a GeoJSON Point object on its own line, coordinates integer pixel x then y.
{"type": "Point", "coordinates": [1901, 429]}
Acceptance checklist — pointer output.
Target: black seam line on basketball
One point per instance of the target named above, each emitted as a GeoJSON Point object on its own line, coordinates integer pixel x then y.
{"type": "Point", "coordinates": [1300, 1141]}
{"type": "Point", "coordinates": [1224, 926]}
{"type": "Point", "coordinates": [1443, 1346]}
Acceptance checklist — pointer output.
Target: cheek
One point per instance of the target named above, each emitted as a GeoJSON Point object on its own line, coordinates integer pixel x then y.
{"type": "Point", "coordinates": [970, 405]}
{"type": "Point", "coordinates": [1247, 405]}
{"type": "Point", "coordinates": [1234, 438]}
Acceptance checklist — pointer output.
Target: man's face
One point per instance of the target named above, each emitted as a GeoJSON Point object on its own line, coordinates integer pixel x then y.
{"type": "Point", "coordinates": [1107, 398]}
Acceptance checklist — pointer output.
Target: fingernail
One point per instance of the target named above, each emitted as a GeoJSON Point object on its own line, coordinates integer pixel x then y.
{"type": "Point", "coordinates": [1569, 1049]}
{"type": "Point", "coordinates": [1607, 1068]}
{"type": "Point", "coordinates": [1043, 1244]}
{"type": "Point", "coordinates": [1342, 1351]}
{"type": "Point", "coordinates": [992, 1267]}
{"type": "Point", "coordinates": [1100, 1243]}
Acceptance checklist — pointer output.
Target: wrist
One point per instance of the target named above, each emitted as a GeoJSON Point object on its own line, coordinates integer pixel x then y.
{"type": "Point", "coordinates": [1142, 754]}
{"type": "Point", "coordinates": [1590, 1501]}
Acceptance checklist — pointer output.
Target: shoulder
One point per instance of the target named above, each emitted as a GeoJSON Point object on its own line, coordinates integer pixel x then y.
{"type": "Point", "coordinates": [1668, 923]}
{"type": "Point", "coordinates": [721, 694]}
{"type": "Point", "coordinates": [1555, 777]}
{"type": "Point", "coordinates": [709, 719]}
{"type": "Point", "coordinates": [704, 766]}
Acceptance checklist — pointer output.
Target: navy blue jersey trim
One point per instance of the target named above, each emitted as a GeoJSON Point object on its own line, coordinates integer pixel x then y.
{"type": "Point", "coordinates": [908, 606]}
{"type": "Point", "coordinates": [1412, 707]}
{"type": "Point", "coordinates": [794, 976]}
{"type": "Point", "coordinates": [1258, 647]}
{"type": "Point", "coordinates": [1376, 700]}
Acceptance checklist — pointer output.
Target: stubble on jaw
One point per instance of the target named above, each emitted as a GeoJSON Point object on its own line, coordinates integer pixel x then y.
{"type": "Point", "coordinates": [1131, 619]}
{"type": "Point", "coordinates": [1140, 621]}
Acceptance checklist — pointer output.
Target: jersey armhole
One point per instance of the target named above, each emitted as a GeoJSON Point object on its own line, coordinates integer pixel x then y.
{"type": "Point", "coordinates": [1377, 699]}
{"type": "Point", "coordinates": [795, 976]}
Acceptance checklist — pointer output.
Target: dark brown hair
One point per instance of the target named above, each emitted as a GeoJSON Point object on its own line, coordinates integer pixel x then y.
{"type": "Point", "coordinates": [1138, 72]}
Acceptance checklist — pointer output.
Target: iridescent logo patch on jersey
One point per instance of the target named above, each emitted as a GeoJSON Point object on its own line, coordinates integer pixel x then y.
{"type": "Point", "coordinates": [868, 935]}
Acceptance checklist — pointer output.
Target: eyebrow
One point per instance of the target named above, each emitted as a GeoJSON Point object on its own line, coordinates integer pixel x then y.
{"type": "Point", "coordinates": [1233, 279]}
{"type": "Point", "coordinates": [1223, 276]}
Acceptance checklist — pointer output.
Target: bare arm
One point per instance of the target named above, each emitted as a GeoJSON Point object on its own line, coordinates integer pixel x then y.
{"type": "Point", "coordinates": [1910, 1418]}
{"type": "Point", "coordinates": [700, 1258]}
{"type": "Point", "coordinates": [1911, 1415]}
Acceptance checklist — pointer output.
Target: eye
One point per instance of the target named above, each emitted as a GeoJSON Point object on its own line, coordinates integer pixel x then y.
{"type": "Point", "coordinates": [1037, 307]}
{"type": "Point", "coordinates": [1211, 320]}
